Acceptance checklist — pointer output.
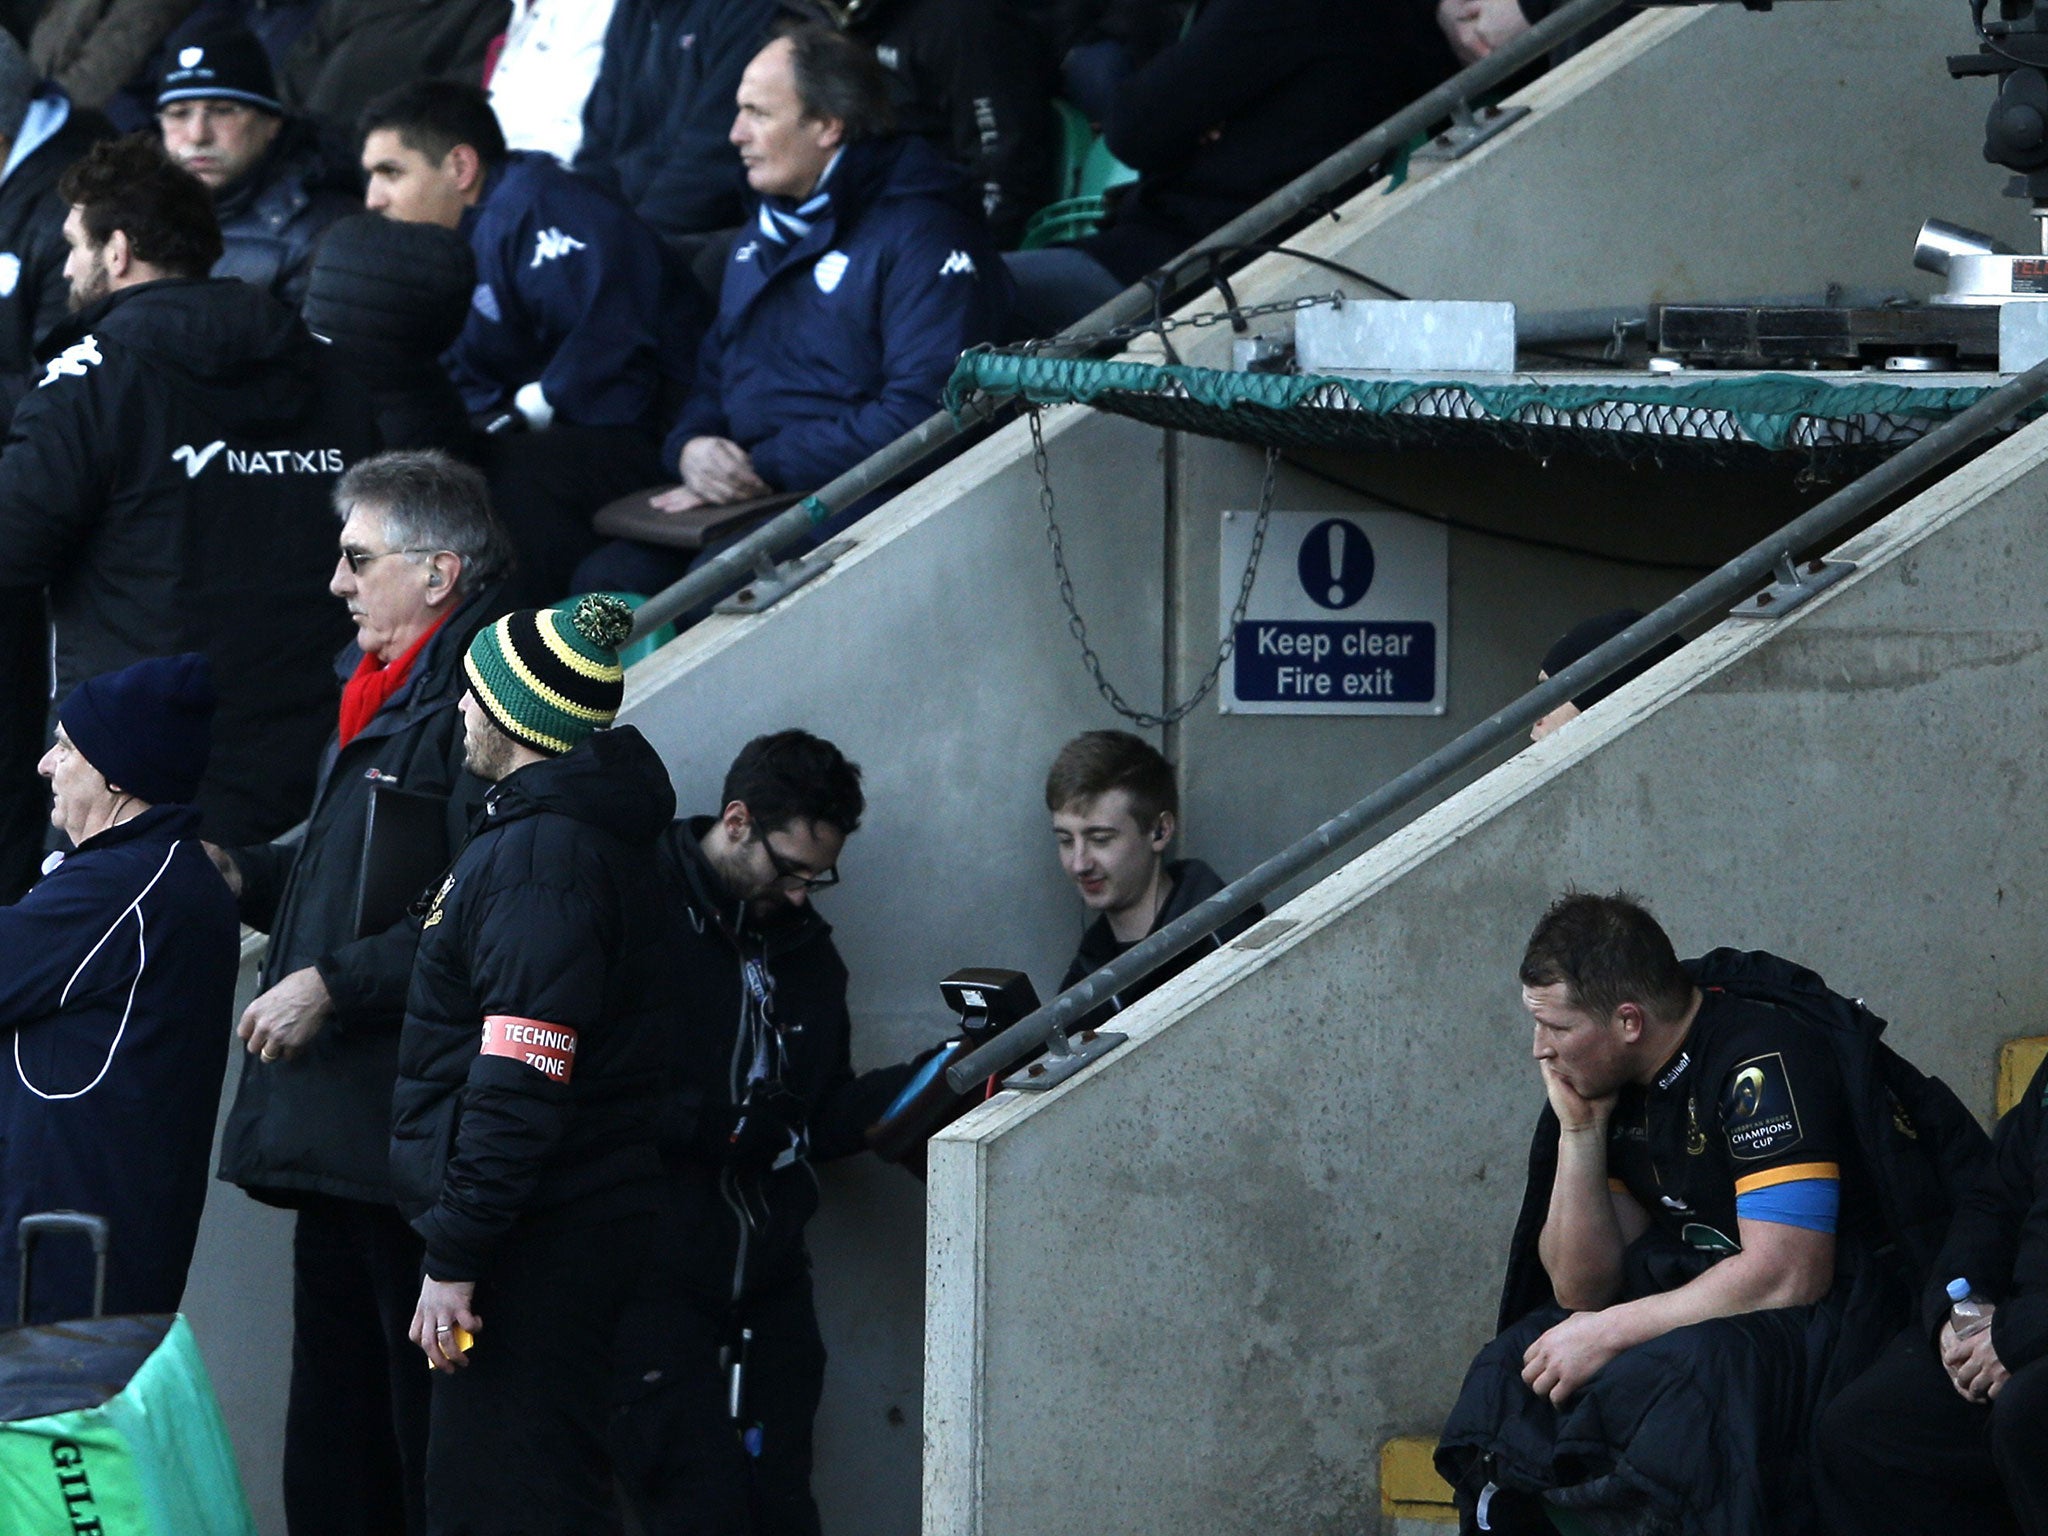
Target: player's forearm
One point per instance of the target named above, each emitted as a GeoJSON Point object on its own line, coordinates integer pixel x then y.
{"type": "Point", "coordinates": [1742, 1282]}
{"type": "Point", "coordinates": [1581, 1243]}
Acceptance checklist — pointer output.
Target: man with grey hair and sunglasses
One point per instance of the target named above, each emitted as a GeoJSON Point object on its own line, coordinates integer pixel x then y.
{"type": "Point", "coordinates": [420, 566]}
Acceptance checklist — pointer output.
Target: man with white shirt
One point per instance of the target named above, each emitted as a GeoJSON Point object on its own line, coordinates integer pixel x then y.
{"type": "Point", "coordinates": [544, 74]}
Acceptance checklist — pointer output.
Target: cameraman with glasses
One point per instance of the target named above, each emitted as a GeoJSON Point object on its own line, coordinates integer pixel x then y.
{"type": "Point", "coordinates": [720, 1365]}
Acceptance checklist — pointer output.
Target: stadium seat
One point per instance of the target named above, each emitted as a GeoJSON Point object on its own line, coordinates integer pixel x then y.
{"type": "Point", "coordinates": [1087, 171]}
{"type": "Point", "coordinates": [2018, 1060]}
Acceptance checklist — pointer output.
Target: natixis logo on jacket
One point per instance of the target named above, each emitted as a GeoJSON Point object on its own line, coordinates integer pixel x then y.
{"type": "Point", "coordinates": [258, 461]}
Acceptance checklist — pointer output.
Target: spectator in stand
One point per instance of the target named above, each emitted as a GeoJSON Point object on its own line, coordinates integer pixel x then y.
{"type": "Point", "coordinates": [117, 975]}
{"type": "Point", "coordinates": [1581, 641]}
{"type": "Point", "coordinates": [655, 128]}
{"type": "Point", "coordinates": [358, 50]}
{"type": "Point", "coordinates": [40, 135]}
{"type": "Point", "coordinates": [1474, 28]}
{"type": "Point", "coordinates": [565, 333]}
{"type": "Point", "coordinates": [967, 76]}
{"type": "Point", "coordinates": [866, 273]}
{"type": "Point", "coordinates": [277, 24]}
{"type": "Point", "coordinates": [392, 298]}
{"type": "Point", "coordinates": [1255, 93]}
{"type": "Point", "coordinates": [421, 562]}
{"type": "Point", "coordinates": [1092, 46]}
{"type": "Point", "coordinates": [543, 75]}
{"type": "Point", "coordinates": [1115, 808]}
{"type": "Point", "coordinates": [168, 480]}
{"type": "Point", "coordinates": [273, 190]}
{"type": "Point", "coordinates": [95, 48]}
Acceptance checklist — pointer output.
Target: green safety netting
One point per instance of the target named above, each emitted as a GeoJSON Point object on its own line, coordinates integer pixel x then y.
{"type": "Point", "coordinates": [1835, 422]}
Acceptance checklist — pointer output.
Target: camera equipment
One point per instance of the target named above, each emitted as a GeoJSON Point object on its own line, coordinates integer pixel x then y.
{"type": "Point", "coordinates": [988, 1002]}
{"type": "Point", "coordinates": [2013, 48]}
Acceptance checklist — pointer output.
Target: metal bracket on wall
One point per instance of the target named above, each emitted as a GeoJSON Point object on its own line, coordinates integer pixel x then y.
{"type": "Point", "coordinates": [1469, 130]}
{"type": "Point", "coordinates": [1063, 1058]}
{"type": "Point", "coordinates": [771, 583]}
{"type": "Point", "coordinates": [1793, 587]}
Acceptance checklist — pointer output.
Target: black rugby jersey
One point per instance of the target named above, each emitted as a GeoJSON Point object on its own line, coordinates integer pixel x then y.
{"type": "Point", "coordinates": [1751, 1103]}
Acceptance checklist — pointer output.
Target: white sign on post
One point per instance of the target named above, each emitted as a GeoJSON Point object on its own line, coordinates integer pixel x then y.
{"type": "Point", "coordinates": [1349, 615]}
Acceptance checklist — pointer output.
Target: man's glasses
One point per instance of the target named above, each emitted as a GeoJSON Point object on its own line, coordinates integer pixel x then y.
{"type": "Point", "coordinates": [356, 559]}
{"type": "Point", "coordinates": [792, 877]}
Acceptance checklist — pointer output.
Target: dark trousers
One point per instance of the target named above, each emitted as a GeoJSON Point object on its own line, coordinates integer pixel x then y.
{"type": "Point", "coordinates": [24, 704]}
{"type": "Point", "coordinates": [687, 1468]}
{"type": "Point", "coordinates": [546, 487]}
{"type": "Point", "coordinates": [1904, 1455]}
{"type": "Point", "coordinates": [518, 1444]}
{"type": "Point", "coordinates": [355, 1438]}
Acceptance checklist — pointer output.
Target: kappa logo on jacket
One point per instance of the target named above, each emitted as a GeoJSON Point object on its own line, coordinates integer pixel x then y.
{"type": "Point", "coordinates": [197, 459]}
{"type": "Point", "coordinates": [553, 244]}
{"type": "Point", "coordinates": [830, 269]}
{"type": "Point", "coordinates": [956, 264]}
{"type": "Point", "coordinates": [72, 361]}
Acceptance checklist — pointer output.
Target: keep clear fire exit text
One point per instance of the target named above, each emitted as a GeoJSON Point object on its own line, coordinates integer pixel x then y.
{"type": "Point", "coordinates": [1348, 615]}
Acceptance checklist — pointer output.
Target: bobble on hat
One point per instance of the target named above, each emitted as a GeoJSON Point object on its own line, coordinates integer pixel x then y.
{"type": "Point", "coordinates": [548, 677]}
{"type": "Point", "coordinates": [147, 728]}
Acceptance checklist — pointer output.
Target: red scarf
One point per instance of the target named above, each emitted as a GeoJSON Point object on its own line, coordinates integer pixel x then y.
{"type": "Point", "coordinates": [374, 683]}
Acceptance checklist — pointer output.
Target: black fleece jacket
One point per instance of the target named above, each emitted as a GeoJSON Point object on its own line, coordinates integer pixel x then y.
{"type": "Point", "coordinates": [1193, 883]}
{"type": "Point", "coordinates": [530, 1067]}
{"type": "Point", "coordinates": [825, 1108]}
{"type": "Point", "coordinates": [169, 480]}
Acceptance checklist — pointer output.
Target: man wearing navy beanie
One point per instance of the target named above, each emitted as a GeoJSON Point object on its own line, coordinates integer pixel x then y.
{"type": "Point", "coordinates": [117, 981]}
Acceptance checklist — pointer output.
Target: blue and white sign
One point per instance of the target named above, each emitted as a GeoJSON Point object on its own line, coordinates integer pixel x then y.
{"type": "Point", "coordinates": [1349, 615]}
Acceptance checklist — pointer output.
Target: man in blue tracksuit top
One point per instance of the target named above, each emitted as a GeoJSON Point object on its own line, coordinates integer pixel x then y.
{"type": "Point", "coordinates": [864, 274]}
{"type": "Point", "coordinates": [117, 976]}
{"type": "Point", "coordinates": [574, 319]}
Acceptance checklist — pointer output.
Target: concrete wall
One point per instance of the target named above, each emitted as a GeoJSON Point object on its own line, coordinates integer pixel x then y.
{"type": "Point", "coordinates": [239, 1301]}
{"type": "Point", "coordinates": [1694, 156]}
{"type": "Point", "coordinates": [1200, 1284]}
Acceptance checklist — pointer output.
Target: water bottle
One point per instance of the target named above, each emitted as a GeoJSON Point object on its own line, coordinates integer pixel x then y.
{"type": "Point", "coordinates": [1969, 1312]}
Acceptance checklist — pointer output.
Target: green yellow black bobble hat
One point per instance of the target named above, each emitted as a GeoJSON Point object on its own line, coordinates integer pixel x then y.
{"type": "Point", "coordinates": [548, 677]}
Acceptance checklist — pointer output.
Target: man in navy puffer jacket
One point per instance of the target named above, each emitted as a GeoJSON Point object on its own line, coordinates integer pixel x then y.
{"type": "Point", "coordinates": [864, 274]}
{"type": "Point", "coordinates": [575, 319]}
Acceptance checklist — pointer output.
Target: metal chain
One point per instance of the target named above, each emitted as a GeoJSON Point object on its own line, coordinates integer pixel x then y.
{"type": "Point", "coordinates": [1199, 321]}
{"type": "Point", "coordinates": [1078, 626]}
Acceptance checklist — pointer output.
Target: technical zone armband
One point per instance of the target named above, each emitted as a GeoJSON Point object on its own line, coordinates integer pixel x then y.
{"type": "Point", "coordinates": [550, 1049]}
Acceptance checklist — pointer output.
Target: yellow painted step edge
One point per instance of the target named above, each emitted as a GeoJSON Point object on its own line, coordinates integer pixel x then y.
{"type": "Point", "coordinates": [2018, 1060]}
{"type": "Point", "coordinates": [1409, 1486]}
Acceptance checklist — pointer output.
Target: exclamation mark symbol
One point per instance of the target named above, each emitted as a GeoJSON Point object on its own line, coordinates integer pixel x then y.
{"type": "Point", "coordinates": [1336, 565]}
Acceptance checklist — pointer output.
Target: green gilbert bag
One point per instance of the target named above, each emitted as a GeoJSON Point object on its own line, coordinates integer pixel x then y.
{"type": "Point", "coordinates": [108, 1427]}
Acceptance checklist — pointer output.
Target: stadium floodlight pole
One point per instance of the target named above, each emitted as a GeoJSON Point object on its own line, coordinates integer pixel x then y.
{"type": "Point", "coordinates": [732, 566]}
{"type": "Point", "coordinates": [1737, 579]}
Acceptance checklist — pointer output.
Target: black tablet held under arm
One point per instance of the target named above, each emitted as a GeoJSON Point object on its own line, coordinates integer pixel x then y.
{"type": "Point", "coordinates": [405, 848]}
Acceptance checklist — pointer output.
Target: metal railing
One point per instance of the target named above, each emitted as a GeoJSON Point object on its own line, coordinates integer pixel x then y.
{"type": "Point", "coordinates": [734, 565]}
{"type": "Point", "coordinates": [1738, 579]}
